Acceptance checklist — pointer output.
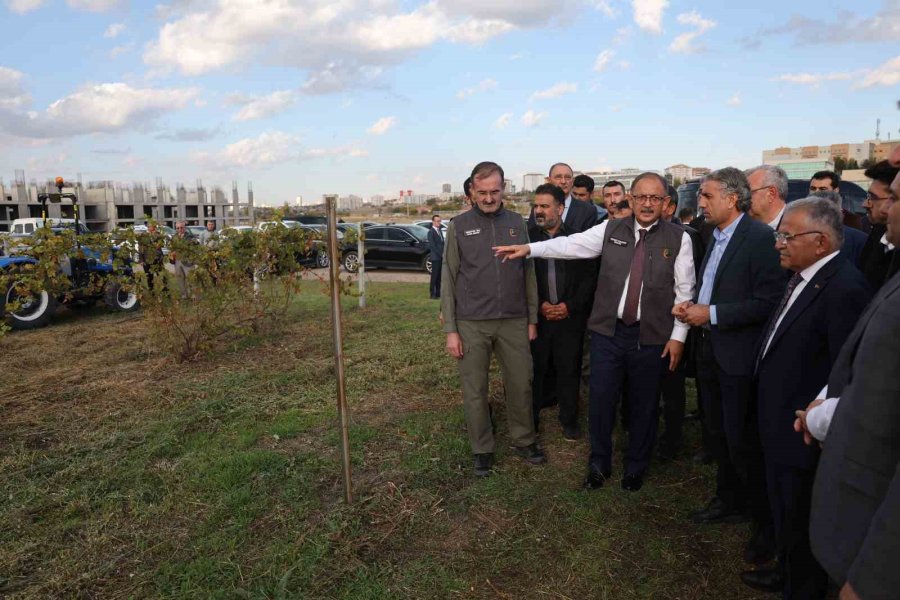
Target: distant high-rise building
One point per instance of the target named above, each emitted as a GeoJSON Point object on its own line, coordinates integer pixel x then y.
{"type": "Point", "coordinates": [508, 186]}
{"type": "Point", "coordinates": [530, 181]}
{"type": "Point", "coordinates": [699, 172]}
{"type": "Point", "coordinates": [377, 200]}
{"type": "Point", "coordinates": [623, 176]}
{"type": "Point", "coordinates": [679, 171]}
{"type": "Point", "coordinates": [446, 188]}
{"type": "Point", "coordinates": [784, 154]}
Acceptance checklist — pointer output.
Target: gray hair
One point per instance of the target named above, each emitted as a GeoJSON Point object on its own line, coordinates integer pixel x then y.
{"type": "Point", "coordinates": [774, 176]}
{"type": "Point", "coordinates": [833, 195]}
{"type": "Point", "coordinates": [824, 214]}
{"type": "Point", "coordinates": [733, 182]}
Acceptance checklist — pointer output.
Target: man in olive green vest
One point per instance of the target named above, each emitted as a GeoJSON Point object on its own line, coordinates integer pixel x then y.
{"type": "Point", "coordinates": [490, 307]}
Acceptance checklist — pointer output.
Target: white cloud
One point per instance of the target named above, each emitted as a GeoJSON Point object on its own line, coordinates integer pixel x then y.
{"type": "Point", "coordinates": [532, 118]}
{"type": "Point", "coordinates": [259, 107]}
{"type": "Point", "coordinates": [114, 30]}
{"type": "Point", "coordinates": [648, 14]}
{"type": "Point", "coordinates": [624, 65]}
{"type": "Point", "coordinates": [847, 27]}
{"type": "Point", "coordinates": [602, 60]}
{"type": "Point", "coordinates": [483, 86]}
{"type": "Point", "coordinates": [382, 125]}
{"type": "Point", "coordinates": [684, 43]}
{"type": "Point", "coordinates": [340, 153]}
{"type": "Point", "coordinates": [105, 107]}
{"type": "Point", "coordinates": [23, 6]}
{"type": "Point", "coordinates": [12, 94]}
{"type": "Point", "coordinates": [811, 79]}
{"type": "Point", "coordinates": [886, 74]}
{"type": "Point", "coordinates": [560, 89]}
{"type": "Point", "coordinates": [120, 50]}
{"type": "Point", "coordinates": [622, 35]}
{"type": "Point", "coordinates": [267, 149]}
{"type": "Point", "coordinates": [604, 6]}
{"type": "Point", "coordinates": [503, 120]}
{"type": "Point", "coordinates": [735, 100]}
{"type": "Point", "coordinates": [339, 44]}
{"type": "Point", "coordinates": [93, 5]}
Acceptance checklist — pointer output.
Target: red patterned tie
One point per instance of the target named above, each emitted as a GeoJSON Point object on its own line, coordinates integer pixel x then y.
{"type": "Point", "coordinates": [635, 279]}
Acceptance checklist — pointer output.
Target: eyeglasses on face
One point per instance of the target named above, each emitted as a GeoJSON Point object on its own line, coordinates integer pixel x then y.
{"type": "Point", "coordinates": [649, 199]}
{"type": "Point", "coordinates": [783, 238]}
{"type": "Point", "coordinates": [873, 198]}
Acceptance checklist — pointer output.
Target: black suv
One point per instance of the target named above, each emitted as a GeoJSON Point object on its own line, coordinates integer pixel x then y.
{"type": "Point", "coordinates": [392, 246]}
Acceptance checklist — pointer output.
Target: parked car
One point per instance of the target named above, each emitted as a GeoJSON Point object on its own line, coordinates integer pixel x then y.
{"type": "Point", "coordinates": [319, 255]}
{"type": "Point", "coordinates": [310, 220]}
{"type": "Point", "coordinates": [391, 246]}
{"type": "Point", "coordinates": [852, 195]}
{"type": "Point", "coordinates": [196, 230]}
{"type": "Point", "coordinates": [427, 225]}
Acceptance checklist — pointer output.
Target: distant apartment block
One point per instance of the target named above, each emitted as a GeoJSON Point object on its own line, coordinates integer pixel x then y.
{"type": "Point", "coordinates": [623, 176]}
{"type": "Point", "coordinates": [108, 205]}
{"type": "Point", "coordinates": [530, 181]}
{"type": "Point", "coordinates": [446, 188]}
{"type": "Point", "coordinates": [876, 150]}
{"type": "Point", "coordinates": [509, 187]}
{"type": "Point", "coordinates": [350, 202]}
{"type": "Point", "coordinates": [376, 200]}
{"type": "Point", "coordinates": [684, 172]}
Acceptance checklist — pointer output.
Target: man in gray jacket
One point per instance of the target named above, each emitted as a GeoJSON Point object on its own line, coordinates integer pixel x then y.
{"type": "Point", "coordinates": [490, 307]}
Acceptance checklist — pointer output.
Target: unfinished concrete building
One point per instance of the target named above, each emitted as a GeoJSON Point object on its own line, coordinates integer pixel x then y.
{"type": "Point", "coordinates": [108, 205]}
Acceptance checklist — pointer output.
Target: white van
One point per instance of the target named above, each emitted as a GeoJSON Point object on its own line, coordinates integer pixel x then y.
{"type": "Point", "coordinates": [24, 227]}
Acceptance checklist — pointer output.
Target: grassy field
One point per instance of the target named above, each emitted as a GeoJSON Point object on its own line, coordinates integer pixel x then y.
{"type": "Point", "coordinates": [124, 475]}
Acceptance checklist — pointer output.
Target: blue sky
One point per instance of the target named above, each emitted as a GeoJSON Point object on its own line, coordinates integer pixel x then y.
{"type": "Point", "coordinates": [373, 96]}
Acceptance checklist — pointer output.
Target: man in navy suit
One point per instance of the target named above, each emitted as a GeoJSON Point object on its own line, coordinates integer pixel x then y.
{"type": "Point", "coordinates": [802, 339]}
{"type": "Point", "coordinates": [436, 251]}
{"type": "Point", "coordinates": [741, 283]}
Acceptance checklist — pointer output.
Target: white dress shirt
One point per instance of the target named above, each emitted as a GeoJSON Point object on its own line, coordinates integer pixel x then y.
{"type": "Point", "coordinates": [777, 220]}
{"type": "Point", "coordinates": [818, 419]}
{"type": "Point", "coordinates": [805, 275]}
{"type": "Point", "coordinates": [887, 245]}
{"type": "Point", "coordinates": [589, 244]}
{"type": "Point", "coordinates": [566, 209]}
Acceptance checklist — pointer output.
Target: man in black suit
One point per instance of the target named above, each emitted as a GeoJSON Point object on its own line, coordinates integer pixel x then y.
{"type": "Point", "coordinates": [802, 339]}
{"type": "Point", "coordinates": [879, 260]}
{"type": "Point", "coordinates": [856, 496]}
{"type": "Point", "coordinates": [740, 285]}
{"type": "Point", "coordinates": [565, 291]}
{"type": "Point", "coordinates": [436, 252]}
{"type": "Point", "coordinates": [577, 216]}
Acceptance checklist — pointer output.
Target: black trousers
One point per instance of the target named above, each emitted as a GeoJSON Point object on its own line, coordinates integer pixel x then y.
{"type": "Point", "coordinates": [556, 355]}
{"type": "Point", "coordinates": [620, 363]}
{"type": "Point", "coordinates": [729, 407]}
{"type": "Point", "coordinates": [435, 287]}
{"type": "Point", "coordinates": [674, 403]}
{"type": "Point", "coordinates": [790, 496]}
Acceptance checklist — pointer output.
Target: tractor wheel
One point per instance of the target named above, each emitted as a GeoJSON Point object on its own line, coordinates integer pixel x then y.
{"type": "Point", "coordinates": [119, 298]}
{"type": "Point", "coordinates": [35, 308]}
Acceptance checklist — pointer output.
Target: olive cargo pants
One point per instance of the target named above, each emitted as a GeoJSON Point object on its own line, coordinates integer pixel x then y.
{"type": "Point", "coordinates": [508, 338]}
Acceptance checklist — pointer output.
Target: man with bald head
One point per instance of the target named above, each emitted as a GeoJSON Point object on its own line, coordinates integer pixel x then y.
{"type": "Point", "coordinates": [768, 193]}
{"type": "Point", "coordinates": [577, 216]}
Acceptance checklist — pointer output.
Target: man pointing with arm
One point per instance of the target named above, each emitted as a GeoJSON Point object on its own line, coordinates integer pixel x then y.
{"type": "Point", "coordinates": [647, 268]}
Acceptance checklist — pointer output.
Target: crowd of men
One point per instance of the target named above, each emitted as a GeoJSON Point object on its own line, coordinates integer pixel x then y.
{"type": "Point", "coordinates": [787, 315]}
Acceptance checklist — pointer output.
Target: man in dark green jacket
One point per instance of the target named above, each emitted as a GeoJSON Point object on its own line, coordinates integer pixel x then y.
{"type": "Point", "coordinates": [490, 307]}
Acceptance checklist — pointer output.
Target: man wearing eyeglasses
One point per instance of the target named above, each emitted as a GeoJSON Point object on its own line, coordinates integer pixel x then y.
{"type": "Point", "coordinates": [878, 260]}
{"type": "Point", "coordinates": [647, 267]}
{"type": "Point", "coordinates": [768, 191]}
{"type": "Point", "coordinates": [741, 284]}
{"type": "Point", "coordinates": [802, 339]}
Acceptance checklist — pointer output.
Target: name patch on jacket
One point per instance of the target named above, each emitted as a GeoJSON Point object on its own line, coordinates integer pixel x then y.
{"type": "Point", "coordinates": [473, 232]}
{"type": "Point", "coordinates": [618, 242]}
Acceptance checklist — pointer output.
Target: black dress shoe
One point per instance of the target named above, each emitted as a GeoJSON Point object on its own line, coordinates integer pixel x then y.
{"type": "Point", "coordinates": [533, 453]}
{"type": "Point", "coordinates": [718, 512]}
{"type": "Point", "coordinates": [595, 480]}
{"type": "Point", "coordinates": [764, 580]}
{"type": "Point", "coordinates": [760, 549]}
{"type": "Point", "coordinates": [571, 434]}
{"type": "Point", "coordinates": [633, 482]}
{"type": "Point", "coordinates": [703, 458]}
{"type": "Point", "coordinates": [483, 464]}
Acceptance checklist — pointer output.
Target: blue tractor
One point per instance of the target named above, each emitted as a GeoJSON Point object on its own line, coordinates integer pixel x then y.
{"type": "Point", "coordinates": [90, 275]}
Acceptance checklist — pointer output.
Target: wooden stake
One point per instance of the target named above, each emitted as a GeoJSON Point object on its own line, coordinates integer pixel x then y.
{"type": "Point", "coordinates": [334, 276]}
